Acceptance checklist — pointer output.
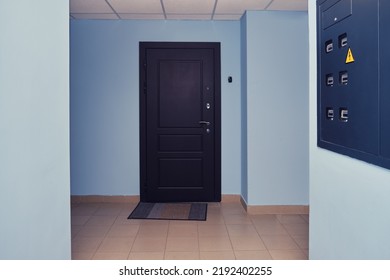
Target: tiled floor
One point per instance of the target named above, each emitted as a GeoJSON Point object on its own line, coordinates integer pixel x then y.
{"type": "Point", "coordinates": [102, 231]}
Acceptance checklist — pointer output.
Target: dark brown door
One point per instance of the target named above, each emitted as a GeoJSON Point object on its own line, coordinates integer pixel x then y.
{"type": "Point", "coordinates": [180, 122]}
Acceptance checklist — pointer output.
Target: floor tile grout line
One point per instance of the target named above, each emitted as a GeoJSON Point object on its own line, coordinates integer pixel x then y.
{"type": "Point", "coordinates": [234, 251]}
{"type": "Point", "coordinates": [107, 232]}
{"type": "Point", "coordinates": [230, 239]}
{"type": "Point", "coordinates": [132, 245]}
{"type": "Point", "coordinates": [198, 236]}
{"type": "Point", "coordinates": [258, 233]}
{"type": "Point", "coordinates": [279, 222]}
{"type": "Point", "coordinates": [166, 241]}
{"type": "Point", "coordinates": [265, 246]}
{"type": "Point", "coordinates": [97, 249]}
{"type": "Point", "coordinates": [83, 226]}
{"type": "Point", "coordinates": [299, 247]}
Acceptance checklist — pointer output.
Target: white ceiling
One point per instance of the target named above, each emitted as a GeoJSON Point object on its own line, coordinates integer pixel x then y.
{"type": "Point", "coordinates": [177, 9]}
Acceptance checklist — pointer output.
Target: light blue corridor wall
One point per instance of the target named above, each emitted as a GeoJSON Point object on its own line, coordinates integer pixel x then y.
{"type": "Point", "coordinates": [105, 102]}
{"type": "Point", "coordinates": [34, 130]}
{"type": "Point", "coordinates": [276, 101]}
{"type": "Point", "coordinates": [349, 199]}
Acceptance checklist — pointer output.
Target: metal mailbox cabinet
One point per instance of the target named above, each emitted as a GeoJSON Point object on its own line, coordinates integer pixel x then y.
{"type": "Point", "coordinates": [354, 78]}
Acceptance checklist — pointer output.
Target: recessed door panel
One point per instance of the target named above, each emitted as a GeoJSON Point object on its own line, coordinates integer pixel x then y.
{"type": "Point", "coordinates": [183, 173]}
{"type": "Point", "coordinates": [180, 93]}
{"type": "Point", "coordinates": [177, 143]}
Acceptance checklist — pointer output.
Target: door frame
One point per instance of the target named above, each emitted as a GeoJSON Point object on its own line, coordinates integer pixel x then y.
{"type": "Point", "coordinates": [143, 47]}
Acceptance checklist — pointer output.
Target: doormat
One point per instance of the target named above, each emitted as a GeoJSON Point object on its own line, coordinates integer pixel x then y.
{"type": "Point", "coordinates": [170, 211]}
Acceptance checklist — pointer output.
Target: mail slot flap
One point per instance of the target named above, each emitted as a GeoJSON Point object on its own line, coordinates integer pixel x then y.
{"type": "Point", "coordinates": [336, 13]}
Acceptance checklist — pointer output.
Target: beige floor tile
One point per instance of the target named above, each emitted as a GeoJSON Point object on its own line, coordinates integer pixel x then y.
{"type": "Point", "coordinates": [183, 222]}
{"type": "Point", "coordinates": [288, 255]}
{"type": "Point", "coordinates": [75, 230]}
{"type": "Point", "coordinates": [101, 221]}
{"type": "Point", "coordinates": [279, 242]}
{"type": "Point", "coordinates": [149, 244]}
{"type": "Point", "coordinates": [305, 217]}
{"type": "Point", "coordinates": [93, 231]}
{"type": "Point", "coordinates": [123, 220]}
{"type": "Point", "coordinates": [85, 244]}
{"type": "Point", "coordinates": [181, 256]}
{"type": "Point", "coordinates": [118, 230]}
{"type": "Point", "coordinates": [216, 214]}
{"type": "Point", "coordinates": [241, 230]}
{"type": "Point", "coordinates": [297, 229]}
{"type": "Point", "coordinates": [247, 243]}
{"type": "Point", "coordinates": [102, 231]}
{"type": "Point", "coordinates": [182, 244]}
{"type": "Point", "coordinates": [146, 256]}
{"type": "Point", "coordinates": [212, 230]}
{"type": "Point", "coordinates": [237, 219]}
{"type": "Point", "coordinates": [231, 203]}
{"type": "Point", "coordinates": [214, 244]}
{"type": "Point", "coordinates": [227, 255]}
{"type": "Point", "coordinates": [302, 241]}
{"type": "Point", "coordinates": [116, 244]}
{"type": "Point", "coordinates": [79, 220]}
{"type": "Point", "coordinates": [265, 218]}
{"type": "Point", "coordinates": [110, 256]}
{"type": "Point", "coordinates": [154, 222]}
{"type": "Point", "coordinates": [215, 219]}
{"type": "Point", "coordinates": [270, 229]}
{"type": "Point", "coordinates": [82, 255]}
{"type": "Point", "coordinates": [150, 230]}
{"type": "Point", "coordinates": [232, 209]}
{"type": "Point", "coordinates": [183, 230]}
{"type": "Point", "coordinates": [291, 219]}
{"type": "Point", "coordinates": [267, 223]}
{"type": "Point", "coordinates": [84, 210]}
{"type": "Point", "coordinates": [253, 255]}
{"type": "Point", "coordinates": [127, 209]}
{"type": "Point", "coordinates": [109, 210]}
{"type": "Point", "coordinates": [214, 210]}
{"type": "Point", "coordinates": [213, 205]}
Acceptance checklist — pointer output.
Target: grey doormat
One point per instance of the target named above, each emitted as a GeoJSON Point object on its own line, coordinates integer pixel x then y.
{"type": "Point", "coordinates": [170, 211]}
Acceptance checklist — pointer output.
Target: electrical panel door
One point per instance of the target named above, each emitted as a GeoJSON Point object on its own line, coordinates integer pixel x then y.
{"type": "Point", "coordinates": [353, 78]}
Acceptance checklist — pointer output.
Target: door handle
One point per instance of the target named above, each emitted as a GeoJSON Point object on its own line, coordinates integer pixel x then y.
{"type": "Point", "coordinates": [204, 122]}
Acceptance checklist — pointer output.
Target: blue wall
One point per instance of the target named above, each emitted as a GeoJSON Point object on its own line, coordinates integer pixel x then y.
{"type": "Point", "coordinates": [264, 120]}
{"type": "Point", "coordinates": [34, 129]}
{"type": "Point", "coordinates": [276, 101]}
{"type": "Point", "coordinates": [105, 103]}
{"type": "Point", "coordinates": [349, 199]}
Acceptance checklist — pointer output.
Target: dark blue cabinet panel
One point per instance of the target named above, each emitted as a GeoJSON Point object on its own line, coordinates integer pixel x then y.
{"type": "Point", "coordinates": [354, 78]}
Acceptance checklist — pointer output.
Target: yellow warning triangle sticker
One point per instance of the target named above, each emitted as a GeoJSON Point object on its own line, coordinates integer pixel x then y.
{"type": "Point", "coordinates": [349, 58]}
